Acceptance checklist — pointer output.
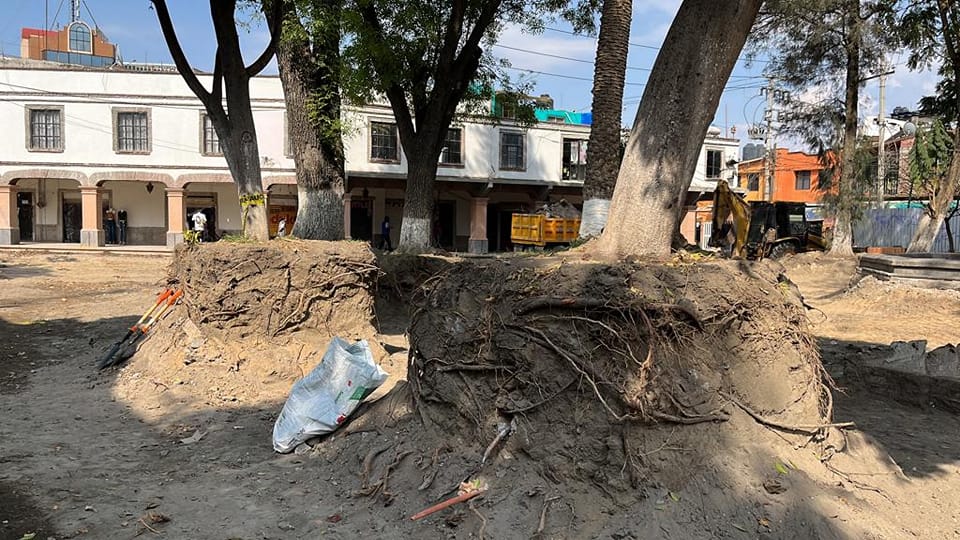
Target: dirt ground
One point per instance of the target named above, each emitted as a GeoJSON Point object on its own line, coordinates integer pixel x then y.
{"type": "Point", "coordinates": [91, 455]}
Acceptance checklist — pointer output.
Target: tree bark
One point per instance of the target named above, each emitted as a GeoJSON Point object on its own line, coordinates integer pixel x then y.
{"type": "Point", "coordinates": [424, 112]}
{"type": "Point", "coordinates": [842, 242]}
{"type": "Point", "coordinates": [310, 78]}
{"type": "Point", "coordinates": [679, 102]}
{"type": "Point", "coordinates": [236, 129]}
{"type": "Point", "coordinates": [931, 220]}
{"type": "Point", "coordinates": [417, 226]}
{"type": "Point", "coordinates": [603, 149]}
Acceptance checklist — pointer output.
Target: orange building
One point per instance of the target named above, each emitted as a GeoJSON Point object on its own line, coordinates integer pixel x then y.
{"type": "Point", "coordinates": [75, 43]}
{"type": "Point", "coordinates": [796, 178]}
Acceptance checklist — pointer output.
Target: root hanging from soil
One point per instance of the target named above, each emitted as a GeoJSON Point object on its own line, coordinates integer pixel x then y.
{"type": "Point", "coordinates": [573, 352]}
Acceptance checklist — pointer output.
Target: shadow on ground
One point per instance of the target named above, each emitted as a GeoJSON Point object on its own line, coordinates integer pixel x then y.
{"type": "Point", "coordinates": [918, 435]}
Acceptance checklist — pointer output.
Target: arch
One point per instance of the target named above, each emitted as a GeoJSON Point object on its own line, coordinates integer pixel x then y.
{"type": "Point", "coordinates": [206, 178]}
{"type": "Point", "coordinates": [80, 37]}
{"type": "Point", "coordinates": [10, 178]}
{"type": "Point", "coordinates": [97, 179]}
{"type": "Point", "coordinates": [287, 179]}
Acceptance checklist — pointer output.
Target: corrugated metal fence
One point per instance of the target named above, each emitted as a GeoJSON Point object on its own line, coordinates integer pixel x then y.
{"type": "Point", "coordinates": [894, 227]}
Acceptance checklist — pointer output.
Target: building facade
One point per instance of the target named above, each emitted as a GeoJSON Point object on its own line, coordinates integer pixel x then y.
{"type": "Point", "coordinates": [77, 154]}
{"type": "Point", "coordinates": [796, 178]}
{"type": "Point", "coordinates": [86, 145]}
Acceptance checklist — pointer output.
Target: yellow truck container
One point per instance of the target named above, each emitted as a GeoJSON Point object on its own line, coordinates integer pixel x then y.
{"type": "Point", "coordinates": [540, 230]}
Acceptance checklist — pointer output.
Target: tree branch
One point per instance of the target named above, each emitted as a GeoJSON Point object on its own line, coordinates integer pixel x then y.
{"type": "Point", "coordinates": [275, 24]}
{"type": "Point", "coordinates": [217, 92]}
{"type": "Point", "coordinates": [179, 58]}
{"type": "Point", "coordinates": [394, 93]}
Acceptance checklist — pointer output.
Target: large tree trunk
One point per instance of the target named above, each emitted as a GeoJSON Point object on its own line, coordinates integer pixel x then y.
{"type": "Point", "coordinates": [842, 241]}
{"type": "Point", "coordinates": [679, 102]}
{"type": "Point", "coordinates": [417, 226]}
{"type": "Point", "coordinates": [930, 221]}
{"type": "Point", "coordinates": [310, 78]}
{"type": "Point", "coordinates": [603, 150]}
{"type": "Point", "coordinates": [243, 158]}
{"type": "Point", "coordinates": [236, 130]}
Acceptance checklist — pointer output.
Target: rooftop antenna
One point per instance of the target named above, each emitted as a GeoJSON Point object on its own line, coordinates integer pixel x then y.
{"type": "Point", "coordinates": [74, 10]}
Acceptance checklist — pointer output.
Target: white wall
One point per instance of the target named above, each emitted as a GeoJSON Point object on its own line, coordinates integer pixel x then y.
{"type": "Point", "coordinates": [481, 150]}
{"type": "Point", "coordinates": [729, 148]}
{"type": "Point", "coordinates": [88, 98]}
{"type": "Point", "coordinates": [143, 209]}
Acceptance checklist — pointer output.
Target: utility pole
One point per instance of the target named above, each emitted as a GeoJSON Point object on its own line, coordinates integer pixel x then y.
{"type": "Point", "coordinates": [881, 140]}
{"type": "Point", "coordinates": [769, 155]}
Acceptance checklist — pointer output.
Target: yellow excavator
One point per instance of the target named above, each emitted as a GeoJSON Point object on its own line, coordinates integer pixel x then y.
{"type": "Point", "coordinates": [761, 229]}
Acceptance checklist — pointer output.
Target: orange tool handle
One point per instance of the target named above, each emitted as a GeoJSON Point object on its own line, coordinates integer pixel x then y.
{"type": "Point", "coordinates": [160, 298]}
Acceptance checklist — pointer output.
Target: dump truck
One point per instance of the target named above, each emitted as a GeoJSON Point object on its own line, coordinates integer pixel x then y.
{"type": "Point", "coordinates": [762, 229]}
{"type": "Point", "coordinates": [540, 230]}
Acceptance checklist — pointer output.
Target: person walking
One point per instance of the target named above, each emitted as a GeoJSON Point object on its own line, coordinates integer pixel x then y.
{"type": "Point", "coordinates": [385, 234]}
{"type": "Point", "coordinates": [282, 228]}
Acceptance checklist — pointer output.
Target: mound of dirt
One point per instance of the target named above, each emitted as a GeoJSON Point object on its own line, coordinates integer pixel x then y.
{"type": "Point", "coordinates": [254, 318]}
{"type": "Point", "coordinates": [580, 399]}
{"type": "Point", "coordinates": [574, 351]}
{"type": "Point", "coordinates": [589, 399]}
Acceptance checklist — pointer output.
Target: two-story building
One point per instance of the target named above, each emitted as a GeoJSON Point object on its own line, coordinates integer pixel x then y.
{"type": "Point", "coordinates": [87, 143]}
{"type": "Point", "coordinates": [796, 178]}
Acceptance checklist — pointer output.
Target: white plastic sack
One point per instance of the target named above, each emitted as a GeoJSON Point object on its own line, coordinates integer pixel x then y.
{"type": "Point", "coordinates": [323, 400]}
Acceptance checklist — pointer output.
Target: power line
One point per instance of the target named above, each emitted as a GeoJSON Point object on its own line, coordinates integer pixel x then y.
{"type": "Point", "coordinates": [641, 45]}
{"type": "Point", "coordinates": [591, 62]}
{"type": "Point", "coordinates": [582, 61]}
{"type": "Point", "coordinates": [572, 77]}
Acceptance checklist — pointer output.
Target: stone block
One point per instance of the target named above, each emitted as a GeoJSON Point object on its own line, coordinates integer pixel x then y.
{"type": "Point", "coordinates": [944, 362]}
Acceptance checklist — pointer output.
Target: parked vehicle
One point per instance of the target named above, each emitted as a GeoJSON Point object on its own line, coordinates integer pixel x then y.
{"type": "Point", "coordinates": [762, 229]}
{"type": "Point", "coordinates": [540, 230]}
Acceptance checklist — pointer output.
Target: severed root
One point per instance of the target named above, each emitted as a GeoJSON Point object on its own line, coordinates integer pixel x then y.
{"type": "Point", "coordinates": [504, 429]}
{"type": "Point", "coordinates": [804, 429]}
{"type": "Point", "coordinates": [543, 515]}
{"type": "Point", "coordinates": [468, 490]}
{"type": "Point", "coordinates": [689, 420]}
{"type": "Point", "coordinates": [380, 486]}
{"type": "Point", "coordinates": [483, 519]}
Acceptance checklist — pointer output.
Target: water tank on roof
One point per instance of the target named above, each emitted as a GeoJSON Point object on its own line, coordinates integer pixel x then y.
{"type": "Point", "coordinates": [713, 131]}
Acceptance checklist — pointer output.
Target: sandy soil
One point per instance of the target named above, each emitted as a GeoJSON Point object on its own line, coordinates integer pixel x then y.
{"type": "Point", "coordinates": [81, 460]}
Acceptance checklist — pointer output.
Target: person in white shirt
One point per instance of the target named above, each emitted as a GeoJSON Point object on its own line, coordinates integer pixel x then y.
{"type": "Point", "coordinates": [199, 224]}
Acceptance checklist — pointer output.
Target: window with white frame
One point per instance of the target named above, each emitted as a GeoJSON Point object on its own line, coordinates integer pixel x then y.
{"type": "Point", "coordinates": [574, 159]}
{"type": "Point", "coordinates": [802, 180]}
{"type": "Point", "coordinates": [714, 163]}
{"type": "Point", "coordinates": [512, 151]}
{"type": "Point", "coordinates": [45, 129]}
{"type": "Point", "coordinates": [753, 182]}
{"type": "Point", "coordinates": [80, 38]}
{"type": "Point", "coordinates": [384, 142]}
{"type": "Point", "coordinates": [210, 139]}
{"type": "Point", "coordinates": [452, 153]}
{"type": "Point", "coordinates": [131, 128]}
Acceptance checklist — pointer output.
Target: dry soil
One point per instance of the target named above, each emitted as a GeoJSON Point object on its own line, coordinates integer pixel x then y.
{"type": "Point", "coordinates": [103, 455]}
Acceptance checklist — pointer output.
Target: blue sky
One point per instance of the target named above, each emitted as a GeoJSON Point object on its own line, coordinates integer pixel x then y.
{"type": "Point", "coordinates": [555, 62]}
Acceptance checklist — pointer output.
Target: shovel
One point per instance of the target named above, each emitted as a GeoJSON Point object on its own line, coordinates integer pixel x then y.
{"type": "Point", "coordinates": [166, 298]}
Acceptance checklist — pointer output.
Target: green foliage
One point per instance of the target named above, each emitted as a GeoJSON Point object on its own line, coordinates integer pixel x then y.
{"type": "Point", "coordinates": [414, 48]}
{"type": "Point", "coordinates": [862, 180]}
{"type": "Point", "coordinates": [930, 158]}
{"type": "Point", "coordinates": [932, 37]}
{"type": "Point", "coordinates": [807, 43]}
